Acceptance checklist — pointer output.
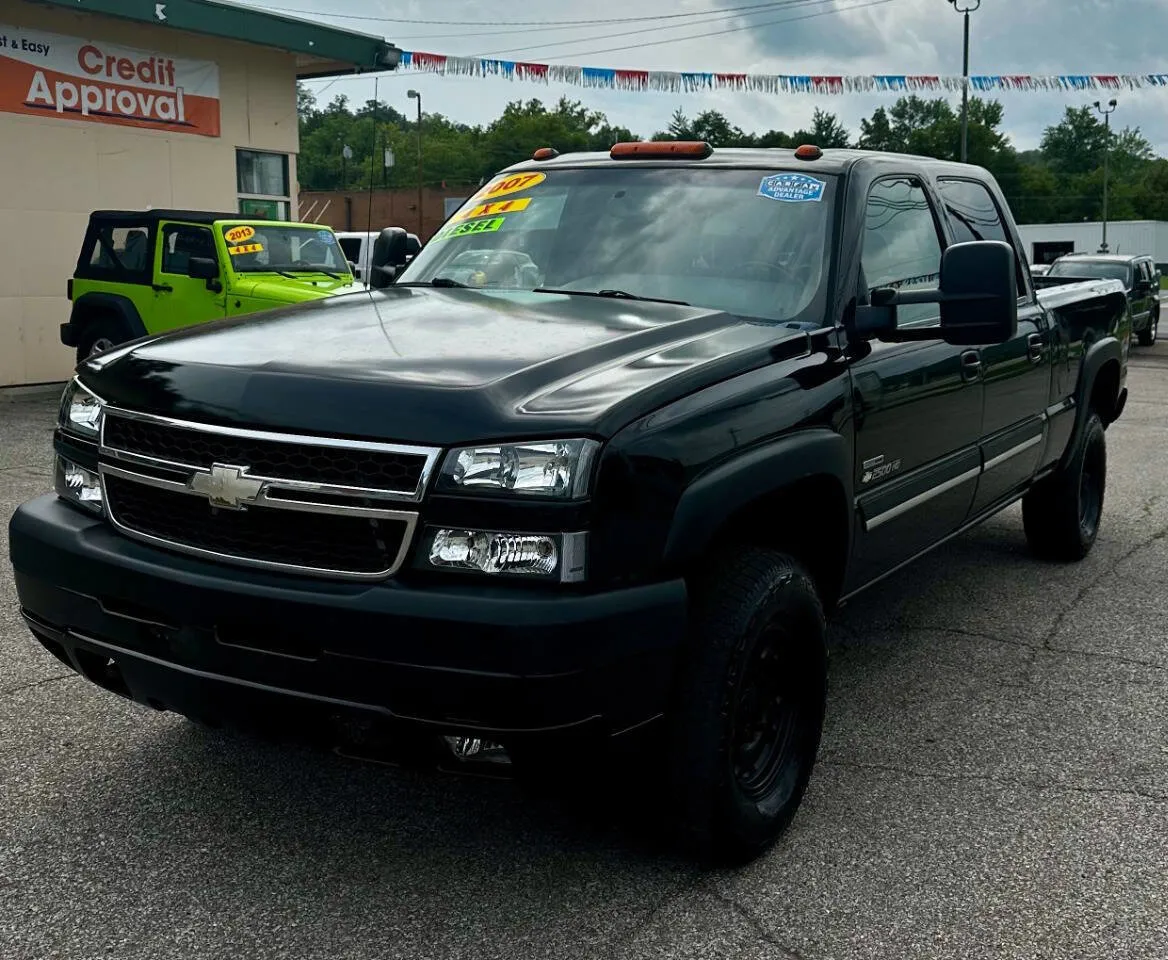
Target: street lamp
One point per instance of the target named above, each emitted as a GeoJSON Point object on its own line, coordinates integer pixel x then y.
{"type": "Point", "coordinates": [1110, 109]}
{"type": "Point", "coordinates": [965, 8]}
{"type": "Point", "coordinates": [415, 95]}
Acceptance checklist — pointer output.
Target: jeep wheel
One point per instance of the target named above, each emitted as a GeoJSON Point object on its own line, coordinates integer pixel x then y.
{"type": "Point", "coordinates": [1062, 513]}
{"type": "Point", "coordinates": [99, 335]}
{"type": "Point", "coordinates": [749, 704]}
{"type": "Point", "coordinates": [1148, 335]}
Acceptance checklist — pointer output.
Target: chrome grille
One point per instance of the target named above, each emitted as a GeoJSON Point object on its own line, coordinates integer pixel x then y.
{"type": "Point", "coordinates": [311, 505]}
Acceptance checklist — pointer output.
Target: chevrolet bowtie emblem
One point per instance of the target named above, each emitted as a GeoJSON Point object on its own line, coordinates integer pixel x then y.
{"type": "Point", "coordinates": [226, 486]}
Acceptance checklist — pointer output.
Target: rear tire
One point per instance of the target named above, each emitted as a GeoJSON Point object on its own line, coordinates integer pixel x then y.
{"type": "Point", "coordinates": [1147, 336]}
{"type": "Point", "coordinates": [750, 699]}
{"type": "Point", "coordinates": [1062, 513]}
{"type": "Point", "coordinates": [98, 335]}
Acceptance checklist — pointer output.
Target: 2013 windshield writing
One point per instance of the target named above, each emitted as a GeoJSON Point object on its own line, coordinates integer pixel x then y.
{"type": "Point", "coordinates": [264, 248]}
{"type": "Point", "coordinates": [750, 242]}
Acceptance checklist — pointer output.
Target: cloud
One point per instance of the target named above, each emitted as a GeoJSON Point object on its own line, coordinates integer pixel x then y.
{"type": "Point", "coordinates": [900, 36]}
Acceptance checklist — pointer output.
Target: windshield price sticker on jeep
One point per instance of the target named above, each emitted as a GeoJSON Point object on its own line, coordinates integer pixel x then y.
{"type": "Point", "coordinates": [471, 227]}
{"type": "Point", "coordinates": [246, 248]}
{"type": "Point", "coordinates": [493, 209]}
{"type": "Point", "coordinates": [239, 234]}
{"type": "Point", "coordinates": [792, 188]}
{"type": "Point", "coordinates": [45, 73]}
{"type": "Point", "coordinates": [521, 181]}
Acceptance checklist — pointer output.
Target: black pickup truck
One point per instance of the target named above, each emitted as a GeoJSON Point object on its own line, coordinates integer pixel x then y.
{"type": "Point", "coordinates": [587, 472]}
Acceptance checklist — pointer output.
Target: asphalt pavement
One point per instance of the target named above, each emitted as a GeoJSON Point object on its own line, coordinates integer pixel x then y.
{"type": "Point", "coordinates": [993, 783]}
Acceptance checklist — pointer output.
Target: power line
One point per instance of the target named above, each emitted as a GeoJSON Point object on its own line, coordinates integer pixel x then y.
{"type": "Point", "coordinates": [528, 23]}
{"type": "Point", "coordinates": [677, 26]}
{"type": "Point", "coordinates": [716, 15]}
{"type": "Point", "coordinates": [696, 36]}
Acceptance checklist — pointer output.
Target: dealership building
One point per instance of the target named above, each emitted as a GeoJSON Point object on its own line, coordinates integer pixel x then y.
{"type": "Point", "coordinates": [137, 104]}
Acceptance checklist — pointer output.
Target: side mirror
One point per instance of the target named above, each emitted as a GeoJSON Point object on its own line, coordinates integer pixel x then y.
{"type": "Point", "coordinates": [978, 299]}
{"type": "Point", "coordinates": [979, 293]}
{"type": "Point", "coordinates": [204, 268]}
{"type": "Point", "coordinates": [413, 246]}
{"type": "Point", "coordinates": [390, 251]}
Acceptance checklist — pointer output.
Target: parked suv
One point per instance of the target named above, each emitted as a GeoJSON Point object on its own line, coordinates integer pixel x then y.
{"type": "Point", "coordinates": [151, 272]}
{"type": "Point", "coordinates": [1138, 274]}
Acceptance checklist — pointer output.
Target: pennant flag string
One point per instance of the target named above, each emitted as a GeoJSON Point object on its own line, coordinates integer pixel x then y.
{"type": "Point", "coordinates": [663, 81]}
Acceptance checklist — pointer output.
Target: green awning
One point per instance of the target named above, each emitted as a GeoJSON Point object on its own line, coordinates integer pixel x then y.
{"type": "Point", "coordinates": [320, 50]}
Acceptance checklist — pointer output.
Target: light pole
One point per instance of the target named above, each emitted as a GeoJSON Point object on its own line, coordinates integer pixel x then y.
{"type": "Point", "coordinates": [965, 8]}
{"type": "Point", "coordinates": [1110, 109]}
{"type": "Point", "coordinates": [415, 95]}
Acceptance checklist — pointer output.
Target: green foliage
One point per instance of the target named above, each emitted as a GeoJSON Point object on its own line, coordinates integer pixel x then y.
{"type": "Point", "coordinates": [1060, 181]}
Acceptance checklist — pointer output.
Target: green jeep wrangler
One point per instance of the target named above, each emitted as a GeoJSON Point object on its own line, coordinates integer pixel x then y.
{"type": "Point", "coordinates": [144, 273]}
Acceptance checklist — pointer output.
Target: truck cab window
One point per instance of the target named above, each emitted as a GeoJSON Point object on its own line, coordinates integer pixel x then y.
{"type": "Point", "coordinates": [974, 215]}
{"type": "Point", "coordinates": [902, 248]}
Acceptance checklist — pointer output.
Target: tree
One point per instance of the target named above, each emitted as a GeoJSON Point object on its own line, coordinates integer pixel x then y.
{"type": "Point", "coordinates": [826, 131]}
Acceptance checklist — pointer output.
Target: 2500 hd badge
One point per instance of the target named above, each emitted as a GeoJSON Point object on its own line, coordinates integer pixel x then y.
{"type": "Point", "coordinates": [603, 499]}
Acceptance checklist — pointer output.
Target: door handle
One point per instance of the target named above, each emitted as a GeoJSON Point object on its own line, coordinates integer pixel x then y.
{"type": "Point", "coordinates": [971, 365]}
{"type": "Point", "coordinates": [162, 288]}
{"type": "Point", "coordinates": [1034, 347]}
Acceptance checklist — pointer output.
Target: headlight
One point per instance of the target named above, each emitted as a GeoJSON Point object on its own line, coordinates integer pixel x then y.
{"type": "Point", "coordinates": [81, 412]}
{"type": "Point", "coordinates": [541, 468]}
{"type": "Point", "coordinates": [552, 556]}
{"type": "Point", "coordinates": [78, 485]}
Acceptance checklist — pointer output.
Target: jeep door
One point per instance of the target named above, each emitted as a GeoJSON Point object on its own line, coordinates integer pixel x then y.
{"type": "Point", "coordinates": [181, 300]}
{"type": "Point", "coordinates": [918, 405]}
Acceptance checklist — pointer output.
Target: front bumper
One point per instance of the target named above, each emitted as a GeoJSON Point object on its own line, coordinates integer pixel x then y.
{"type": "Point", "coordinates": [225, 644]}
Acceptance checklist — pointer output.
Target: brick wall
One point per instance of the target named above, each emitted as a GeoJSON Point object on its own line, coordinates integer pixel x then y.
{"type": "Point", "coordinates": [349, 210]}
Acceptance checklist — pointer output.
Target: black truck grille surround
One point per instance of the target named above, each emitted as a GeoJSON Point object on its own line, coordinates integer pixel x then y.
{"type": "Point", "coordinates": [341, 466]}
{"type": "Point", "coordinates": [360, 545]}
{"type": "Point", "coordinates": [306, 505]}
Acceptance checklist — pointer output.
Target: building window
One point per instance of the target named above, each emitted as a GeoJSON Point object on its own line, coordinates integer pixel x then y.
{"type": "Point", "coordinates": [262, 181]}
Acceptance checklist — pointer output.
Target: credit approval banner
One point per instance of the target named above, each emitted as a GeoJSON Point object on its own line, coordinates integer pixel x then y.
{"type": "Point", "coordinates": [45, 74]}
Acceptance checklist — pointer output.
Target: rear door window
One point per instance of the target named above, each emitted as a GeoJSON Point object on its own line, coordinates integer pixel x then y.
{"type": "Point", "coordinates": [118, 254]}
{"type": "Point", "coordinates": [974, 215]}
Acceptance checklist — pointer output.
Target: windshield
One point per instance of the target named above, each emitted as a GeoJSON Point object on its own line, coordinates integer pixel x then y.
{"type": "Point", "coordinates": [750, 242]}
{"type": "Point", "coordinates": [1094, 269]}
{"type": "Point", "coordinates": [264, 248]}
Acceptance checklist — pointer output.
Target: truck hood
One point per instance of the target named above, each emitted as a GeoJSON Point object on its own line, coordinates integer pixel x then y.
{"type": "Point", "coordinates": [432, 366]}
{"type": "Point", "coordinates": [305, 287]}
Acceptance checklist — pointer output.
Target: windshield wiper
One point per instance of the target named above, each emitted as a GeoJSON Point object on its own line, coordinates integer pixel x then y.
{"type": "Point", "coordinates": [436, 282]}
{"type": "Point", "coordinates": [610, 294]}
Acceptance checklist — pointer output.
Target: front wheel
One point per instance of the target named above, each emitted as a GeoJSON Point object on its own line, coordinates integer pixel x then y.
{"type": "Point", "coordinates": [100, 334]}
{"type": "Point", "coordinates": [749, 704]}
{"type": "Point", "coordinates": [1148, 335]}
{"type": "Point", "coordinates": [1062, 513]}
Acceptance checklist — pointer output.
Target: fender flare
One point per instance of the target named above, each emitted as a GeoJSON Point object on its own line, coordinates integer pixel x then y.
{"type": "Point", "coordinates": [89, 304]}
{"type": "Point", "coordinates": [1099, 354]}
{"type": "Point", "coordinates": [717, 495]}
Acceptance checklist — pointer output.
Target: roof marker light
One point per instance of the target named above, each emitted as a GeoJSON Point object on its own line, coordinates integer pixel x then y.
{"type": "Point", "coordinates": [661, 150]}
{"type": "Point", "coordinates": [545, 153]}
{"type": "Point", "coordinates": [808, 151]}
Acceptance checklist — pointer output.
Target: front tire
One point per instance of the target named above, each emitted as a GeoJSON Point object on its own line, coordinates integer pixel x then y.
{"type": "Point", "coordinates": [1062, 513]}
{"type": "Point", "coordinates": [749, 705]}
{"type": "Point", "coordinates": [1148, 335]}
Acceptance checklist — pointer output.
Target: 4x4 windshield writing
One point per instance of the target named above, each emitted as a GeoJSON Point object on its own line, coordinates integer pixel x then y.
{"type": "Point", "coordinates": [263, 248]}
{"type": "Point", "coordinates": [750, 242]}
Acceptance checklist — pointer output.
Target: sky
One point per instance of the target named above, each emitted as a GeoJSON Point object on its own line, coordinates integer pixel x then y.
{"type": "Point", "coordinates": [843, 37]}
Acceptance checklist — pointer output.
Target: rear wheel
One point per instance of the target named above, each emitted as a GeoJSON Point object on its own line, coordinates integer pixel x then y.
{"type": "Point", "coordinates": [99, 335]}
{"type": "Point", "coordinates": [749, 705]}
{"type": "Point", "coordinates": [1062, 514]}
{"type": "Point", "coordinates": [1148, 335]}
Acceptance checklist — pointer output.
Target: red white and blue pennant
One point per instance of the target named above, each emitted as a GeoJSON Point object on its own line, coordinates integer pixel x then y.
{"type": "Point", "coordinates": [665, 81]}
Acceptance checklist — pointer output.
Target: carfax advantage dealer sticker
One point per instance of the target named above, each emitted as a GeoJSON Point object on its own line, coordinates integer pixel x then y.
{"type": "Point", "coordinates": [45, 74]}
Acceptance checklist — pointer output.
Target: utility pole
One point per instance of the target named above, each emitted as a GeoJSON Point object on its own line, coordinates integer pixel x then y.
{"type": "Point", "coordinates": [1111, 105]}
{"type": "Point", "coordinates": [965, 8]}
{"type": "Point", "coordinates": [415, 95]}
